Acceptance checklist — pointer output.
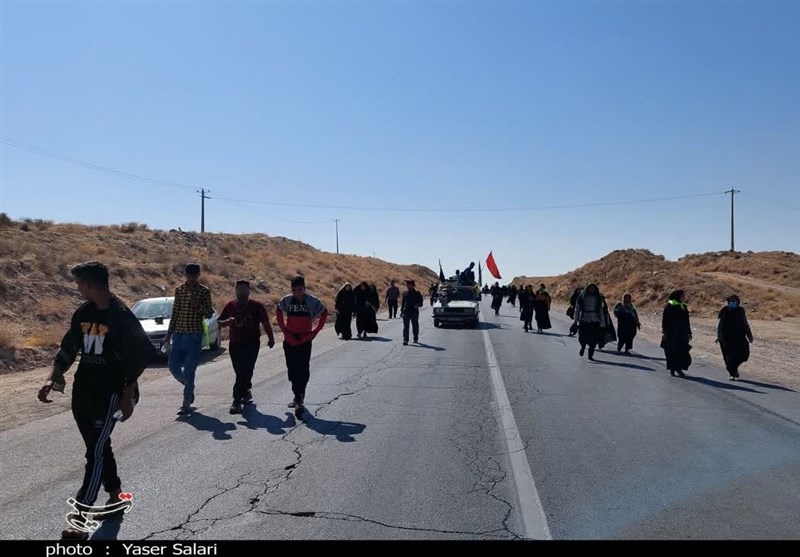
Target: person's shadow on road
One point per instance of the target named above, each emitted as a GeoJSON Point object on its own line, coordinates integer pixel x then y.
{"type": "Point", "coordinates": [730, 386]}
{"type": "Point", "coordinates": [621, 364]}
{"type": "Point", "coordinates": [217, 427]}
{"type": "Point", "coordinates": [766, 385]}
{"type": "Point", "coordinates": [643, 357]}
{"type": "Point", "coordinates": [429, 347]}
{"type": "Point", "coordinates": [343, 431]}
{"type": "Point", "coordinates": [109, 528]}
{"type": "Point", "coordinates": [253, 419]}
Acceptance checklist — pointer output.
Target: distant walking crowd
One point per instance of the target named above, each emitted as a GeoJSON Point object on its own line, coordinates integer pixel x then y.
{"type": "Point", "coordinates": [594, 327]}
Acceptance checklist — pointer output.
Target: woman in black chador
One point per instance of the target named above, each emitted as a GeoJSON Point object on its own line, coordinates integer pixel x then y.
{"type": "Point", "coordinates": [734, 336]}
{"type": "Point", "coordinates": [345, 304]}
{"type": "Point", "coordinates": [676, 334]}
{"type": "Point", "coordinates": [365, 311]}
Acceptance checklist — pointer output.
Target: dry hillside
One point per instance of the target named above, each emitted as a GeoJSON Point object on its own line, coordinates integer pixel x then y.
{"type": "Point", "coordinates": [37, 294]}
{"type": "Point", "coordinates": [767, 282]}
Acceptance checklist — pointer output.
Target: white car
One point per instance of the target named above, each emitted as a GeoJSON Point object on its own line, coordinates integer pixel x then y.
{"type": "Point", "coordinates": [155, 314]}
{"type": "Point", "coordinates": [458, 306]}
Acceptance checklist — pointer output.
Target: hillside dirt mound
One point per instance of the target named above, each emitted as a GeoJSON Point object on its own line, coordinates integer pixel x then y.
{"type": "Point", "coordinates": [768, 282]}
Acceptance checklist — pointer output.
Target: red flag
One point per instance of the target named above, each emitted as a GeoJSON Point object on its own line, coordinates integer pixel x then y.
{"type": "Point", "coordinates": [492, 266]}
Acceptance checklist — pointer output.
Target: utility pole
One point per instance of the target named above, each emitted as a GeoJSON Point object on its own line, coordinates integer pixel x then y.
{"type": "Point", "coordinates": [733, 193]}
{"type": "Point", "coordinates": [203, 198]}
{"type": "Point", "coordinates": [337, 235]}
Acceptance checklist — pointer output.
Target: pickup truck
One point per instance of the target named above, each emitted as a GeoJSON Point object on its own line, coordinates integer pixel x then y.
{"type": "Point", "coordinates": [456, 305]}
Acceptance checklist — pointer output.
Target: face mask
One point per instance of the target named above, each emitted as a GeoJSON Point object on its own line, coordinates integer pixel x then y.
{"type": "Point", "coordinates": [733, 305]}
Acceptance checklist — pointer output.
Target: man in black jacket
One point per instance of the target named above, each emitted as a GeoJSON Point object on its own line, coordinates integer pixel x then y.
{"type": "Point", "coordinates": [114, 351]}
{"type": "Point", "coordinates": [412, 301]}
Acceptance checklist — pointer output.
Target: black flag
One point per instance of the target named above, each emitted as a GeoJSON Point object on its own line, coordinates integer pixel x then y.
{"type": "Point", "coordinates": [441, 273]}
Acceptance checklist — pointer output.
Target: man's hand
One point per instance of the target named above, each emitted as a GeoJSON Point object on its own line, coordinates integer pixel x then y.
{"type": "Point", "coordinates": [44, 391]}
{"type": "Point", "coordinates": [271, 342]}
{"type": "Point", "coordinates": [54, 382]}
{"type": "Point", "coordinates": [126, 402]}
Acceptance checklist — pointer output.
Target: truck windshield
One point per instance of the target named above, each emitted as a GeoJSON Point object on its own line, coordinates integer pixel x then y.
{"type": "Point", "coordinates": [463, 296]}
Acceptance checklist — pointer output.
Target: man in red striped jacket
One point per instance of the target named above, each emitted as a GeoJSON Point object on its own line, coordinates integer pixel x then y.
{"type": "Point", "coordinates": [301, 317]}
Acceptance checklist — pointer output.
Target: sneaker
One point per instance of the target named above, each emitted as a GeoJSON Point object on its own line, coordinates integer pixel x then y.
{"type": "Point", "coordinates": [236, 407]}
{"type": "Point", "coordinates": [591, 354]}
{"type": "Point", "coordinates": [732, 378]}
{"type": "Point", "coordinates": [405, 343]}
{"type": "Point", "coordinates": [416, 340]}
{"type": "Point", "coordinates": [248, 397]}
{"type": "Point", "coordinates": [184, 409]}
{"type": "Point", "coordinates": [292, 404]}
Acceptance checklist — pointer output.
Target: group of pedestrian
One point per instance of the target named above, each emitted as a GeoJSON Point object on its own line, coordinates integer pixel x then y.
{"type": "Point", "coordinates": [592, 322]}
{"type": "Point", "coordinates": [594, 326]}
{"type": "Point", "coordinates": [363, 303]}
{"type": "Point", "coordinates": [114, 350]}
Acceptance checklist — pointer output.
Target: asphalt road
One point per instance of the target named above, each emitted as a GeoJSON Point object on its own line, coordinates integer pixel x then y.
{"type": "Point", "coordinates": [487, 433]}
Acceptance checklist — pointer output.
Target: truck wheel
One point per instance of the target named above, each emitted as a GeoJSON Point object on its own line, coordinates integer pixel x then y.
{"type": "Point", "coordinates": [437, 323]}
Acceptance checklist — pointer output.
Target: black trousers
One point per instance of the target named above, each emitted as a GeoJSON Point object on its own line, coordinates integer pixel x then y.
{"type": "Point", "coordinates": [93, 410]}
{"type": "Point", "coordinates": [243, 358]}
{"type": "Point", "coordinates": [392, 309]}
{"type": "Point", "coordinates": [298, 363]}
{"type": "Point", "coordinates": [410, 318]}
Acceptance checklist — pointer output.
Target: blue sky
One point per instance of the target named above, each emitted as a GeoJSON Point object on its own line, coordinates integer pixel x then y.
{"type": "Point", "coordinates": [424, 106]}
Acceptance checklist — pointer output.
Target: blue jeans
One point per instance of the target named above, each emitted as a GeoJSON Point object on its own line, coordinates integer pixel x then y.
{"type": "Point", "coordinates": [183, 360]}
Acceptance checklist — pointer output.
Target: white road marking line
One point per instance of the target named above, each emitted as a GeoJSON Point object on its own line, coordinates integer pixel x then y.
{"type": "Point", "coordinates": [534, 520]}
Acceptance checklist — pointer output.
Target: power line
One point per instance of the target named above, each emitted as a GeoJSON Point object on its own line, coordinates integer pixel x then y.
{"type": "Point", "coordinates": [122, 174]}
{"type": "Point", "coordinates": [473, 209]}
{"type": "Point", "coordinates": [270, 217]}
{"type": "Point", "coordinates": [10, 141]}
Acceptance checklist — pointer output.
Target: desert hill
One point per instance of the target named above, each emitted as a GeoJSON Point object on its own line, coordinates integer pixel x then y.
{"type": "Point", "coordinates": [38, 295]}
{"type": "Point", "coordinates": [767, 282]}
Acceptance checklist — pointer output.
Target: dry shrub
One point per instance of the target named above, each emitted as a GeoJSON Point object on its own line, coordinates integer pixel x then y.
{"type": "Point", "coordinates": [46, 265]}
{"type": "Point", "coordinates": [8, 337]}
{"type": "Point", "coordinates": [54, 307]}
{"type": "Point", "coordinates": [44, 338]}
{"type": "Point", "coordinates": [132, 227]}
{"type": "Point", "coordinates": [5, 221]}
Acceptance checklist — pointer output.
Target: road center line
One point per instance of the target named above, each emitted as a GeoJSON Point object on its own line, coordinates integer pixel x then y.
{"type": "Point", "coordinates": [534, 520]}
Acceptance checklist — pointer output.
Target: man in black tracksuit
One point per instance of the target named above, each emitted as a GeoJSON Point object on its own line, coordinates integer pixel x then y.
{"type": "Point", "coordinates": [114, 351]}
{"type": "Point", "coordinates": [412, 301]}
